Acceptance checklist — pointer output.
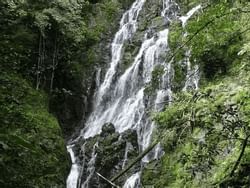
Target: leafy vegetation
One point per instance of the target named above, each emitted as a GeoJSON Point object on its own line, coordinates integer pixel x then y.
{"type": "Point", "coordinates": [33, 152]}
{"type": "Point", "coordinates": [205, 133]}
{"type": "Point", "coordinates": [44, 38]}
{"type": "Point", "coordinates": [214, 37]}
{"type": "Point", "coordinates": [154, 84]}
{"type": "Point", "coordinates": [47, 49]}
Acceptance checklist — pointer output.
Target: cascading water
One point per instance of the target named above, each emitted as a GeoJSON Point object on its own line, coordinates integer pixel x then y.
{"type": "Point", "coordinates": [153, 51]}
{"type": "Point", "coordinates": [133, 181]}
{"type": "Point", "coordinates": [91, 167]}
{"type": "Point", "coordinates": [128, 26]}
{"type": "Point", "coordinates": [192, 76]}
{"type": "Point", "coordinates": [185, 18]}
{"type": "Point", "coordinates": [127, 149]}
{"type": "Point", "coordinates": [121, 99]}
{"type": "Point", "coordinates": [103, 107]}
{"type": "Point", "coordinates": [75, 168]}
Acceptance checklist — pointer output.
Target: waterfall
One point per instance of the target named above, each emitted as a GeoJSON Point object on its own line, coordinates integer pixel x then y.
{"type": "Point", "coordinates": [190, 13]}
{"type": "Point", "coordinates": [103, 107]}
{"type": "Point", "coordinates": [99, 116]}
{"type": "Point", "coordinates": [74, 173]}
{"type": "Point", "coordinates": [126, 108]}
{"type": "Point", "coordinates": [133, 181]}
{"type": "Point", "coordinates": [91, 167]}
{"type": "Point", "coordinates": [127, 149]}
{"type": "Point", "coordinates": [154, 51]}
{"type": "Point", "coordinates": [121, 98]}
{"type": "Point", "coordinates": [192, 76]}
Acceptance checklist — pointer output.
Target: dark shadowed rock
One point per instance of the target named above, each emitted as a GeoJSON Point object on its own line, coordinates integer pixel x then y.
{"type": "Point", "coordinates": [110, 148]}
{"type": "Point", "coordinates": [107, 129]}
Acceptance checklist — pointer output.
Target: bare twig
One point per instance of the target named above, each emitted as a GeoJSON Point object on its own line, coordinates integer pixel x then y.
{"type": "Point", "coordinates": [108, 181]}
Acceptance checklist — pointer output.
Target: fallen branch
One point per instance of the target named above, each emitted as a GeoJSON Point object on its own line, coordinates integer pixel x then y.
{"type": "Point", "coordinates": [108, 181]}
{"type": "Point", "coordinates": [137, 159]}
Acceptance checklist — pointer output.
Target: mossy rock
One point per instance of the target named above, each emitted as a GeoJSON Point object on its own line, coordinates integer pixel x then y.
{"type": "Point", "coordinates": [159, 23]}
{"type": "Point", "coordinates": [110, 150]}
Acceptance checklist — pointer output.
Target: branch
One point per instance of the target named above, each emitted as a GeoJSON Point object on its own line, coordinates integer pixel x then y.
{"type": "Point", "coordinates": [108, 181]}
{"type": "Point", "coordinates": [137, 159]}
{"type": "Point", "coordinates": [244, 145]}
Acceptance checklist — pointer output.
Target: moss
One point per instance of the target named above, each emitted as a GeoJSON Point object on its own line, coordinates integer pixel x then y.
{"type": "Point", "coordinates": [33, 152]}
{"type": "Point", "coordinates": [154, 84]}
{"type": "Point", "coordinates": [158, 23]}
{"type": "Point", "coordinates": [130, 50]}
{"type": "Point", "coordinates": [175, 35]}
{"type": "Point", "coordinates": [179, 76]}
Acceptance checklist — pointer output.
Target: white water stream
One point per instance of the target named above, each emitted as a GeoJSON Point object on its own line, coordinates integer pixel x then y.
{"type": "Point", "coordinates": [91, 167]}
{"type": "Point", "coordinates": [122, 100]}
{"type": "Point", "coordinates": [74, 172]}
{"type": "Point", "coordinates": [133, 181]}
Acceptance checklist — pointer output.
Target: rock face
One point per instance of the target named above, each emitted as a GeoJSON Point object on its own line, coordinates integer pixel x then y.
{"type": "Point", "coordinates": [73, 106]}
{"type": "Point", "coordinates": [109, 152]}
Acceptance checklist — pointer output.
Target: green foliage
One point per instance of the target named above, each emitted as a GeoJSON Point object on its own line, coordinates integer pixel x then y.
{"type": "Point", "coordinates": [176, 40]}
{"type": "Point", "coordinates": [155, 81]}
{"type": "Point", "coordinates": [56, 44]}
{"type": "Point", "coordinates": [216, 46]}
{"type": "Point", "coordinates": [32, 150]}
{"type": "Point", "coordinates": [40, 38]}
{"type": "Point", "coordinates": [203, 132]}
{"type": "Point", "coordinates": [179, 76]}
{"type": "Point", "coordinates": [49, 45]}
{"type": "Point", "coordinates": [213, 36]}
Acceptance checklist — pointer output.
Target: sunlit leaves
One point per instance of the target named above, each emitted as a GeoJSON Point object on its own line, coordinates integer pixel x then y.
{"type": "Point", "coordinates": [245, 49]}
{"type": "Point", "coordinates": [221, 25]}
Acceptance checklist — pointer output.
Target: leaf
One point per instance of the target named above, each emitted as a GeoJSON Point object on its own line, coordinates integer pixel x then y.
{"type": "Point", "coordinates": [245, 49]}
{"type": "Point", "coordinates": [19, 141]}
{"type": "Point", "coordinates": [4, 146]}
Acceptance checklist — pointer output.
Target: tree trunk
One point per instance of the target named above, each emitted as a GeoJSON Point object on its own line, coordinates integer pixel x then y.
{"type": "Point", "coordinates": [54, 64]}
{"type": "Point", "coordinates": [38, 78]}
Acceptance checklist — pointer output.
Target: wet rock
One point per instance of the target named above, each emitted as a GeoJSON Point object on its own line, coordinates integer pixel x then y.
{"type": "Point", "coordinates": [130, 136]}
{"type": "Point", "coordinates": [159, 23]}
{"type": "Point", "coordinates": [110, 148]}
{"type": "Point", "coordinates": [107, 129]}
{"type": "Point", "coordinates": [72, 110]}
